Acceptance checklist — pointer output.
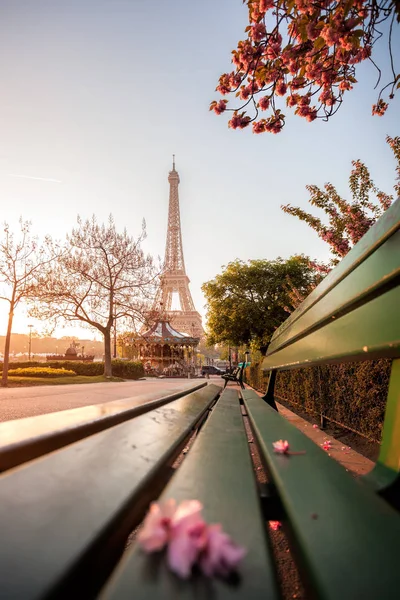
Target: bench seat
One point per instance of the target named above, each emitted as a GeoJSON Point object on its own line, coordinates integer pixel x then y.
{"type": "Point", "coordinates": [345, 537]}
{"type": "Point", "coordinates": [217, 471]}
{"type": "Point", "coordinates": [64, 517]}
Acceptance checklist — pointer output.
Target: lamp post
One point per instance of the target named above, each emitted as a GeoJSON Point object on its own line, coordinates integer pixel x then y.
{"type": "Point", "coordinates": [115, 333]}
{"type": "Point", "coordinates": [30, 341]}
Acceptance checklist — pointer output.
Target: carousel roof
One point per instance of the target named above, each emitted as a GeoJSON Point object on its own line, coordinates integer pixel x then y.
{"type": "Point", "coordinates": [162, 331]}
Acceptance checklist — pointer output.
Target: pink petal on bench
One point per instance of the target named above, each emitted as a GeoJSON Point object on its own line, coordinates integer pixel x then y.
{"type": "Point", "coordinates": [155, 532]}
{"type": "Point", "coordinates": [184, 547]}
{"type": "Point", "coordinates": [221, 556]}
{"type": "Point", "coordinates": [282, 447]}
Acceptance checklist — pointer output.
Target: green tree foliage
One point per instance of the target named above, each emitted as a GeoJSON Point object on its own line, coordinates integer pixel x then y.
{"type": "Point", "coordinates": [249, 300]}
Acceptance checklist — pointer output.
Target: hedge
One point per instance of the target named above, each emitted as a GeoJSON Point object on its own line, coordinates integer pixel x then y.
{"type": "Point", "coordinates": [120, 368]}
{"type": "Point", "coordinates": [41, 372]}
{"type": "Point", "coordinates": [352, 394]}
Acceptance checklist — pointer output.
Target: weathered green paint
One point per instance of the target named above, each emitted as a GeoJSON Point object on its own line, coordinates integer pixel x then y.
{"type": "Point", "coordinates": [25, 439]}
{"type": "Point", "coordinates": [218, 472]}
{"type": "Point", "coordinates": [370, 331]}
{"type": "Point", "coordinates": [346, 537]}
{"type": "Point", "coordinates": [366, 281]}
{"type": "Point", "coordinates": [387, 468]}
{"type": "Point", "coordinates": [382, 230]}
{"type": "Point", "coordinates": [64, 517]}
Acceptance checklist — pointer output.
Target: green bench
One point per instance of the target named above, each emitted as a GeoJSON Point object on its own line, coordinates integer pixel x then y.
{"type": "Point", "coordinates": [236, 376]}
{"type": "Point", "coordinates": [75, 484]}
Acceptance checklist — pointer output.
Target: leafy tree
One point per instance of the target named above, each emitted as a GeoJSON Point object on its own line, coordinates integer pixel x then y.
{"type": "Point", "coordinates": [21, 261]}
{"type": "Point", "coordinates": [247, 301]}
{"type": "Point", "coordinates": [348, 221]}
{"type": "Point", "coordinates": [304, 51]}
{"type": "Point", "coordinates": [102, 276]}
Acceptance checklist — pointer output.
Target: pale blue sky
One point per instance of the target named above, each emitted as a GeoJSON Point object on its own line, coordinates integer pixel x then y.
{"type": "Point", "coordinates": [98, 94]}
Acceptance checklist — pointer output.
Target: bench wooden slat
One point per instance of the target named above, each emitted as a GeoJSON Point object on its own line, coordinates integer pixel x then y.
{"type": "Point", "coordinates": [368, 279]}
{"type": "Point", "coordinates": [383, 229]}
{"type": "Point", "coordinates": [368, 332]}
{"type": "Point", "coordinates": [218, 472]}
{"type": "Point", "coordinates": [25, 439]}
{"type": "Point", "coordinates": [386, 472]}
{"type": "Point", "coordinates": [63, 517]}
{"type": "Point", "coordinates": [346, 536]}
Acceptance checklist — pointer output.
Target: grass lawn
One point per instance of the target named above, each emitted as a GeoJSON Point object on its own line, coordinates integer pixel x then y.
{"type": "Point", "coordinates": [31, 381]}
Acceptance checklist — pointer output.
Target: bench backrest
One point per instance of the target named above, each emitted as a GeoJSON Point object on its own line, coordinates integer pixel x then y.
{"type": "Point", "coordinates": [354, 314]}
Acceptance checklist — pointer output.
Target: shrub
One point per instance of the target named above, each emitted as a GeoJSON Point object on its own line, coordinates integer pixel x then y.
{"type": "Point", "coordinates": [352, 394]}
{"type": "Point", "coordinates": [120, 368]}
{"type": "Point", "coordinates": [80, 368]}
{"type": "Point", "coordinates": [41, 372]}
{"type": "Point", "coordinates": [127, 369]}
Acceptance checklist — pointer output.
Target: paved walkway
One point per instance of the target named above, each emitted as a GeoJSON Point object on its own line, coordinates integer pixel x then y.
{"type": "Point", "coordinates": [17, 403]}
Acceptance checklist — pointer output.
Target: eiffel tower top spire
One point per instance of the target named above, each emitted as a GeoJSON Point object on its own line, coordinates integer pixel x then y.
{"type": "Point", "coordinates": [174, 260]}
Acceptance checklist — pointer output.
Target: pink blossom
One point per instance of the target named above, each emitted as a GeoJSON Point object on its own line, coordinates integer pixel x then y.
{"type": "Point", "coordinates": [155, 532]}
{"type": "Point", "coordinates": [263, 103]}
{"type": "Point", "coordinates": [281, 447]}
{"type": "Point", "coordinates": [189, 539]}
{"type": "Point", "coordinates": [259, 126]}
{"type": "Point", "coordinates": [258, 32]}
{"type": "Point", "coordinates": [220, 555]}
{"type": "Point", "coordinates": [315, 426]}
{"type": "Point", "coordinates": [345, 85]}
{"type": "Point", "coordinates": [266, 5]}
{"type": "Point", "coordinates": [380, 108]}
{"type": "Point", "coordinates": [281, 88]}
{"type": "Point", "coordinates": [275, 525]}
{"type": "Point", "coordinates": [220, 107]}
{"type": "Point", "coordinates": [293, 99]}
{"type": "Point", "coordinates": [238, 122]}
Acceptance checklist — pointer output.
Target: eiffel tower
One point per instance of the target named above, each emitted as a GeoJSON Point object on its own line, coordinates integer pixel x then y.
{"type": "Point", "coordinates": [174, 279]}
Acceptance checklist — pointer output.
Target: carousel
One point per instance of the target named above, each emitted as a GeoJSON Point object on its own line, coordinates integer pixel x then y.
{"type": "Point", "coordinates": [165, 351]}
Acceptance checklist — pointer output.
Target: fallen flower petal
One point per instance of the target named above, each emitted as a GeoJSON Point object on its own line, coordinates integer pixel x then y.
{"type": "Point", "coordinates": [184, 548]}
{"type": "Point", "coordinates": [275, 525]}
{"type": "Point", "coordinates": [154, 534]}
{"type": "Point", "coordinates": [221, 556]}
{"type": "Point", "coordinates": [327, 445]}
{"type": "Point", "coordinates": [315, 426]}
{"type": "Point", "coordinates": [281, 446]}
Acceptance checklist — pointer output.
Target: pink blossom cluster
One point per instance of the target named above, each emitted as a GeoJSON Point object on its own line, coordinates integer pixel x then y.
{"type": "Point", "coordinates": [313, 67]}
{"type": "Point", "coordinates": [189, 540]}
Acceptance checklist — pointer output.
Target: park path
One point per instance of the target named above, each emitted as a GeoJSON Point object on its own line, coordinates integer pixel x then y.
{"type": "Point", "coordinates": [17, 403]}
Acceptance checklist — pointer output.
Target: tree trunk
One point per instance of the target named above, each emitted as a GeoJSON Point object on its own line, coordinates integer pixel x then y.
{"type": "Point", "coordinates": [107, 353]}
{"type": "Point", "coordinates": [6, 361]}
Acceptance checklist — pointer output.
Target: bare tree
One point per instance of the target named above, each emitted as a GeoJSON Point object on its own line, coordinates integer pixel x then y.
{"type": "Point", "coordinates": [102, 276]}
{"type": "Point", "coordinates": [21, 262]}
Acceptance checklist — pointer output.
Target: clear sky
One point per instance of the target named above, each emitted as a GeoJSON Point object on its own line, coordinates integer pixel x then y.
{"type": "Point", "coordinates": [98, 94]}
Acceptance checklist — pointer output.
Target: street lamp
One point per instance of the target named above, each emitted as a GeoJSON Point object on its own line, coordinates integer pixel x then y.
{"type": "Point", "coordinates": [30, 340]}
